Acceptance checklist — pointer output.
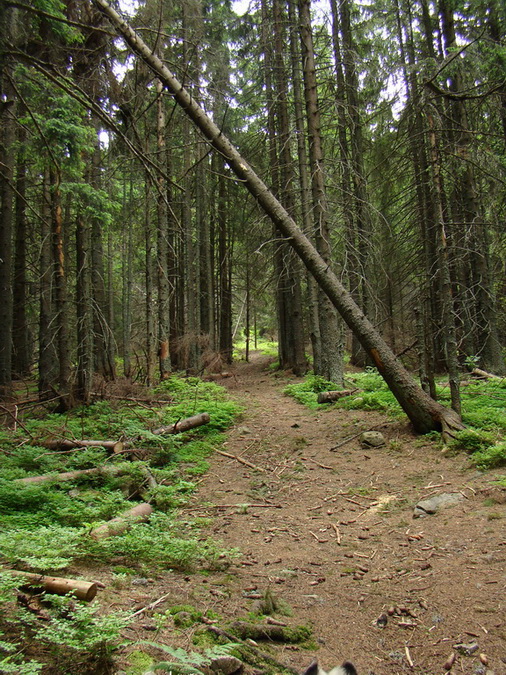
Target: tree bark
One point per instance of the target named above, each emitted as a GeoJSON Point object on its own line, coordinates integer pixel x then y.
{"type": "Point", "coordinates": [425, 414]}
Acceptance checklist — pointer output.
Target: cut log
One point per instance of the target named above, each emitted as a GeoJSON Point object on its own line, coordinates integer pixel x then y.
{"type": "Point", "coordinates": [484, 375]}
{"type": "Point", "coordinates": [83, 590]}
{"type": "Point", "coordinates": [184, 425]}
{"type": "Point", "coordinates": [123, 522]}
{"type": "Point", "coordinates": [70, 475]}
{"type": "Point", "coordinates": [68, 444]}
{"type": "Point", "coordinates": [329, 396]}
{"type": "Point", "coordinates": [67, 475]}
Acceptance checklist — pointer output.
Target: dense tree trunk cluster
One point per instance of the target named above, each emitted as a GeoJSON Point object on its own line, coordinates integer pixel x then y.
{"type": "Point", "coordinates": [127, 244]}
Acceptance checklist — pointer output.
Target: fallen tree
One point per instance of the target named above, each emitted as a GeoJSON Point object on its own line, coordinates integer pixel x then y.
{"type": "Point", "coordinates": [425, 414]}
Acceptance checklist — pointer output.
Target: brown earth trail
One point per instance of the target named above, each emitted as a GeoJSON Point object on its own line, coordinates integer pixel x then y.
{"type": "Point", "coordinates": [331, 535]}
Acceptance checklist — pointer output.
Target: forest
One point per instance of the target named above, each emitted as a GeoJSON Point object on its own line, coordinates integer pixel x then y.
{"type": "Point", "coordinates": [130, 248]}
{"type": "Point", "coordinates": [211, 214]}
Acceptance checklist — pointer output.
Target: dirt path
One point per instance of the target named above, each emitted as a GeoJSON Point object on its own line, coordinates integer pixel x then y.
{"type": "Point", "coordinates": [332, 535]}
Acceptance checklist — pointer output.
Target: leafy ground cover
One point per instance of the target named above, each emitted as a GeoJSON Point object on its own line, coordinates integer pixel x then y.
{"type": "Point", "coordinates": [45, 526]}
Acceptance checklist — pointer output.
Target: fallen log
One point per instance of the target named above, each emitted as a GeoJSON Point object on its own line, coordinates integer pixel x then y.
{"type": "Point", "coordinates": [67, 475]}
{"type": "Point", "coordinates": [69, 444]}
{"type": "Point", "coordinates": [184, 425]}
{"type": "Point", "coordinates": [123, 522]}
{"type": "Point", "coordinates": [272, 633]}
{"type": "Point", "coordinates": [83, 590]}
{"type": "Point", "coordinates": [249, 651]}
{"type": "Point", "coordinates": [480, 374]}
{"type": "Point", "coordinates": [329, 396]}
{"type": "Point", "coordinates": [119, 446]}
{"type": "Point", "coordinates": [70, 475]}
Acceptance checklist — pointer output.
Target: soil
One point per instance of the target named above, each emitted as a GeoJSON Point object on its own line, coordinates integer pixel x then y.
{"type": "Point", "coordinates": [330, 534]}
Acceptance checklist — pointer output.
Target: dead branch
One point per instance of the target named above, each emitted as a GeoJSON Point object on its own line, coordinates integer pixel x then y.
{"type": "Point", "coordinates": [240, 460]}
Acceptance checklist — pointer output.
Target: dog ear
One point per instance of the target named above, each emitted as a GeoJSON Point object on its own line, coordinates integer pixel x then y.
{"type": "Point", "coordinates": [313, 669]}
{"type": "Point", "coordinates": [349, 668]}
{"type": "Point", "coordinates": [346, 669]}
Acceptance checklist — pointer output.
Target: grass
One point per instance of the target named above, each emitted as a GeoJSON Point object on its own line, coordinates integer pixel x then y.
{"type": "Point", "coordinates": [45, 526]}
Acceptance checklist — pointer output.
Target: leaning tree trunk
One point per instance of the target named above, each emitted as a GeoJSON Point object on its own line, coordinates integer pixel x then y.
{"type": "Point", "coordinates": [425, 414]}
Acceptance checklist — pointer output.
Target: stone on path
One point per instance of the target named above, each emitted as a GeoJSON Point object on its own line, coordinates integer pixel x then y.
{"type": "Point", "coordinates": [372, 438]}
{"type": "Point", "coordinates": [434, 504]}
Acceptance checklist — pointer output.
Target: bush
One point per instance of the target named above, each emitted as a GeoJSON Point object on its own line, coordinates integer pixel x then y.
{"type": "Point", "coordinates": [491, 457]}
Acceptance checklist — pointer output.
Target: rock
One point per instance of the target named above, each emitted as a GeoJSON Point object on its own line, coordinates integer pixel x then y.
{"type": "Point", "coordinates": [434, 504]}
{"type": "Point", "coordinates": [225, 665]}
{"type": "Point", "coordinates": [466, 649]}
{"type": "Point", "coordinates": [372, 438]}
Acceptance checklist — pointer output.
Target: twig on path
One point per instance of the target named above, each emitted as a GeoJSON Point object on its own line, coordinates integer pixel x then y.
{"type": "Point", "coordinates": [322, 466]}
{"type": "Point", "coordinates": [350, 522]}
{"type": "Point", "coordinates": [338, 534]}
{"type": "Point", "coordinates": [151, 605]}
{"type": "Point", "coordinates": [242, 461]}
{"type": "Point", "coordinates": [320, 541]}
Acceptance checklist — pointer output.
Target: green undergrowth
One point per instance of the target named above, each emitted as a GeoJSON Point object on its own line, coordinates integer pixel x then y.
{"type": "Point", "coordinates": [306, 392]}
{"type": "Point", "coordinates": [265, 346]}
{"type": "Point", "coordinates": [483, 409]}
{"type": "Point", "coordinates": [45, 527]}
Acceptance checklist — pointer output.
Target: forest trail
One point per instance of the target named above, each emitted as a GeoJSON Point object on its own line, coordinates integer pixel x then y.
{"type": "Point", "coordinates": [331, 534]}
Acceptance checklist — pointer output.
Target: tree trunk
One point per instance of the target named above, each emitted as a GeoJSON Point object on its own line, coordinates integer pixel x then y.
{"type": "Point", "coordinates": [360, 225]}
{"type": "Point", "coordinates": [304, 184]}
{"type": "Point", "coordinates": [7, 154]}
{"type": "Point", "coordinates": [84, 373]}
{"type": "Point", "coordinates": [102, 330]}
{"type": "Point", "coordinates": [47, 349]}
{"type": "Point", "coordinates": [22, 347]}
{"type": "Point", "coordinates": [60, 291]}
{"type": "Point", "coordinates": [425, 414]}
{"type": "Point", "coordinates": [149, 313]}
{"type": "Point", "coordinates": [331, 333]}
{"type": "Point", "coordinates": [162, 242]}
{"type": "Point", "coordinates": [127, 283]}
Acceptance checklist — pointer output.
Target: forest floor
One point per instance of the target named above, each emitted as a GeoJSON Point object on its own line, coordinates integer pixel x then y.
{"type": "Point", "coordinates": [331, 534]}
